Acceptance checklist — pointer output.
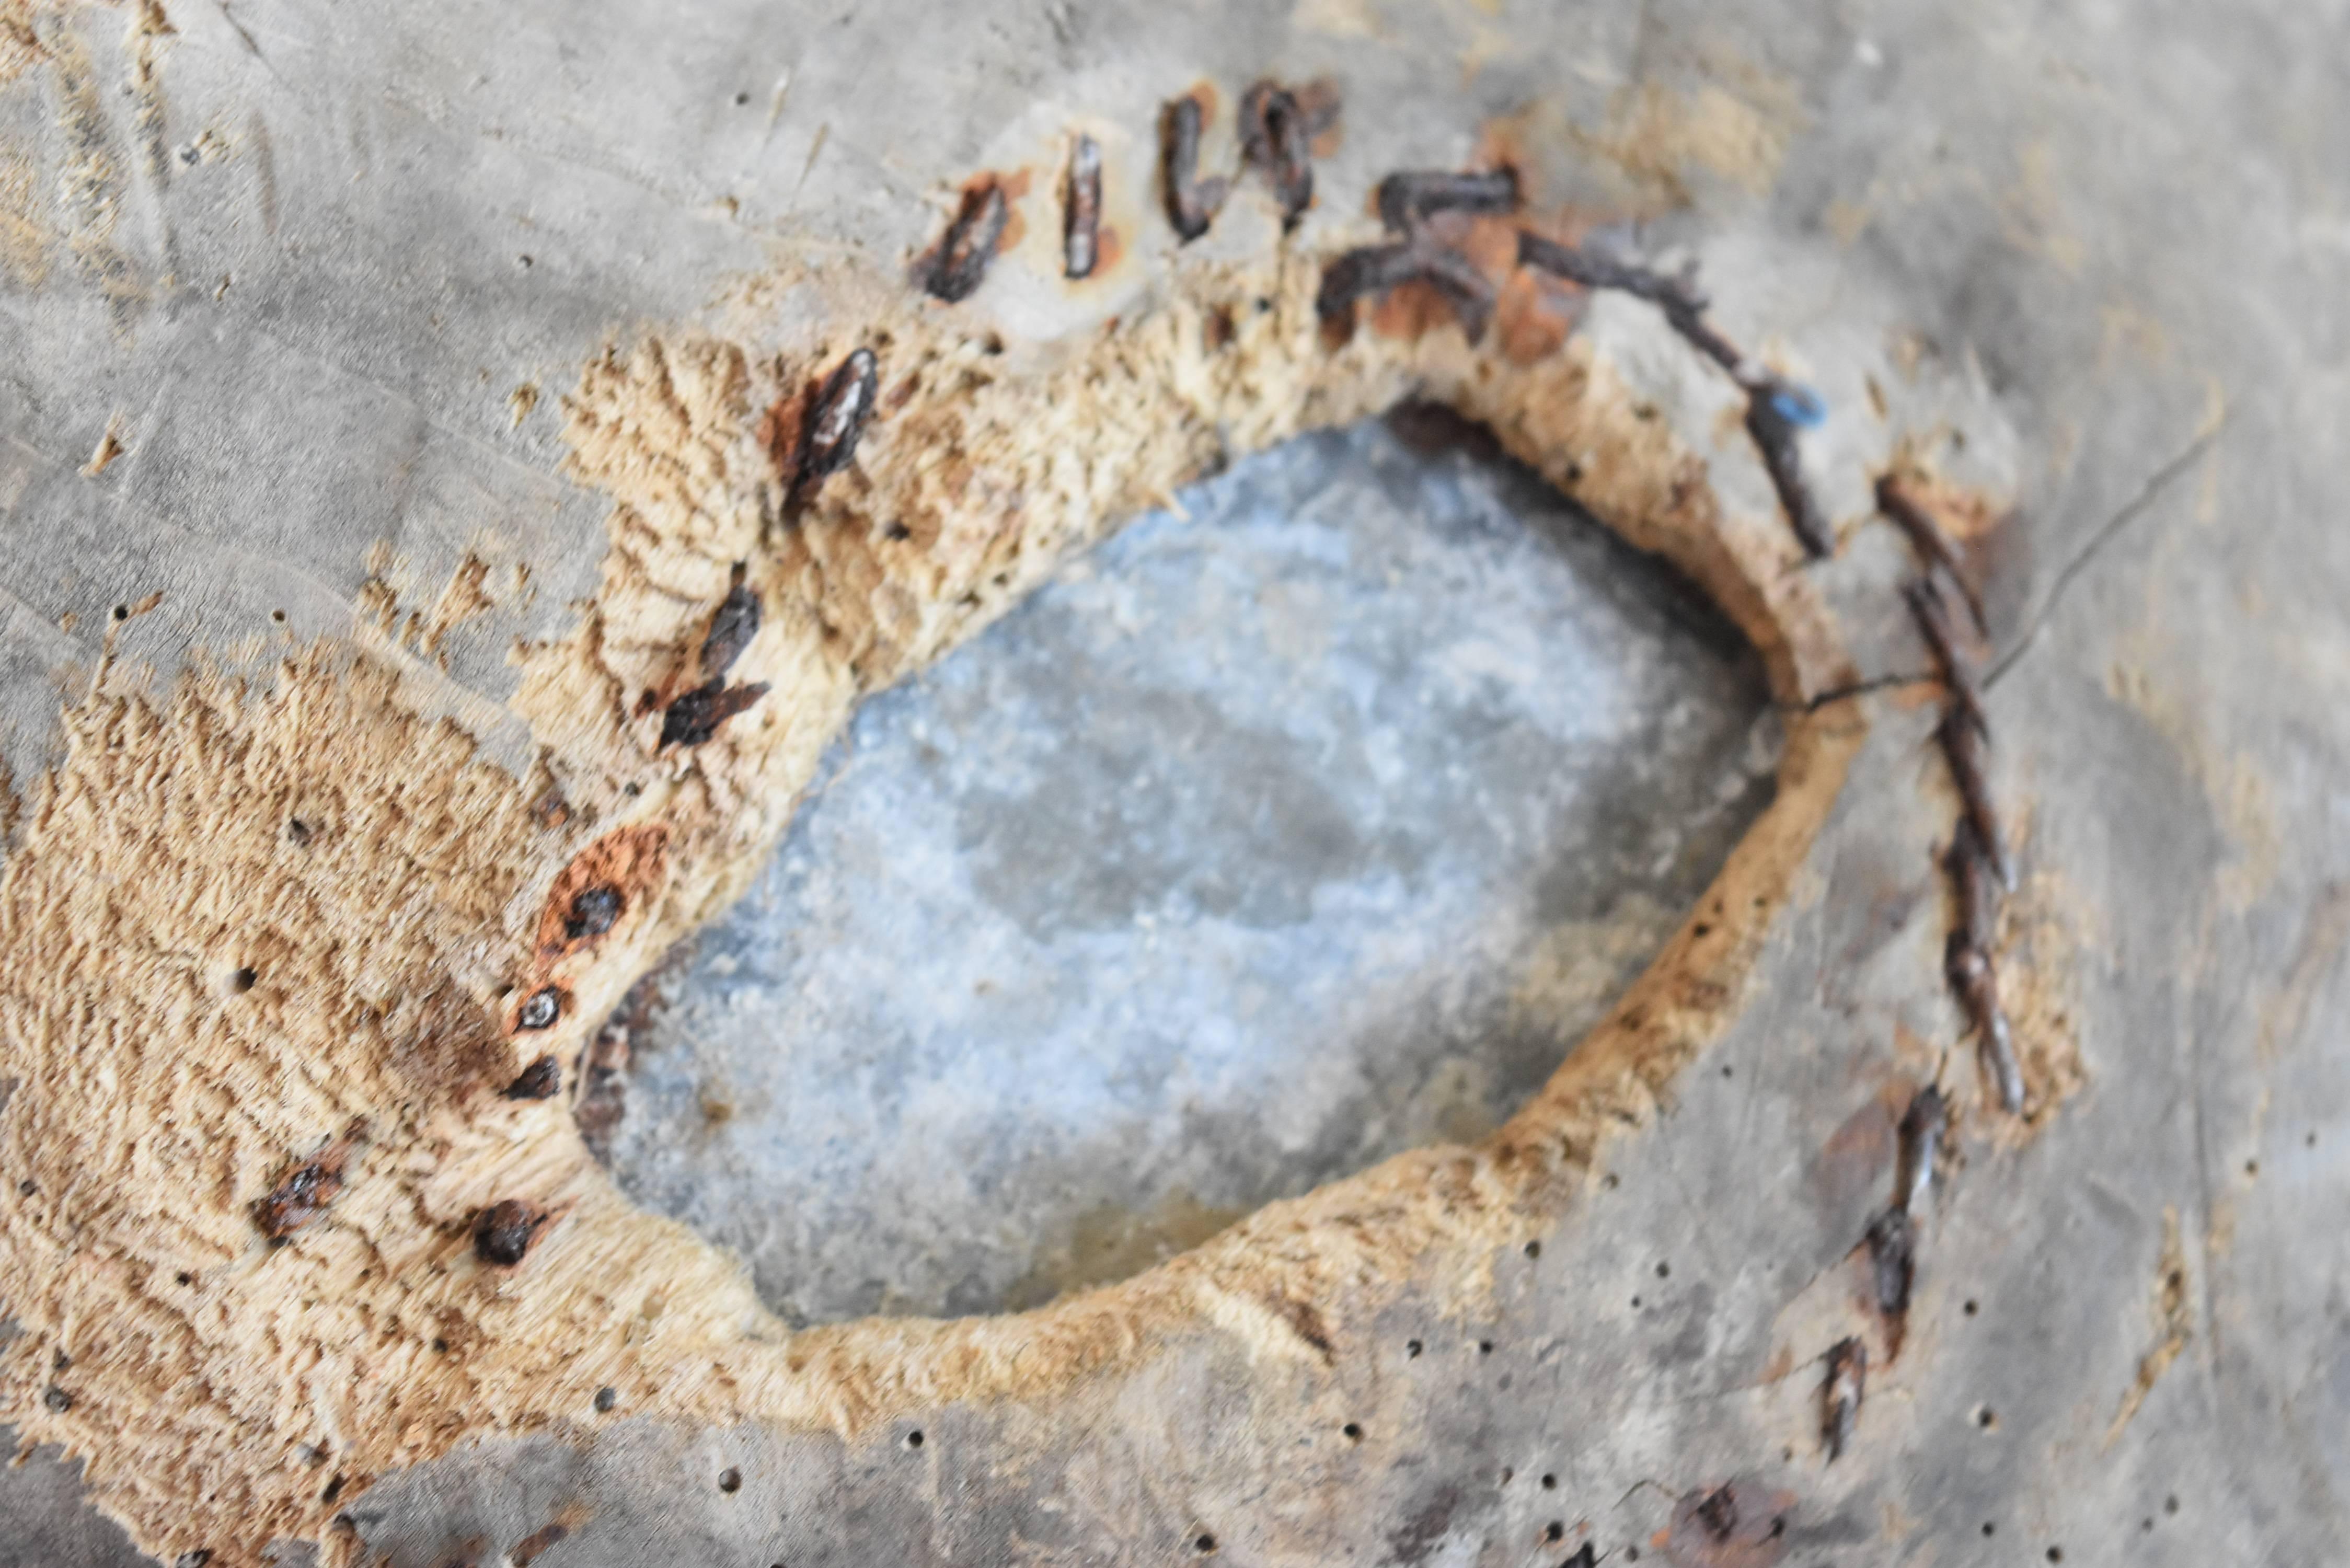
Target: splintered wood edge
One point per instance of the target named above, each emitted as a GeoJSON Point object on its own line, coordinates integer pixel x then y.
{"type": "Point", "coordinates": [227, 1391]}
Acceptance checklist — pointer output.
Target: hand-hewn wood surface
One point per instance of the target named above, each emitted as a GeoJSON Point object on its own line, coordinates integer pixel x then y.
{"type": "Point", "coordinates": [324, 277]}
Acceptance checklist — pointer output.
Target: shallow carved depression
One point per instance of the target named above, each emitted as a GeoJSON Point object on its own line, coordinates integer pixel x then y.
{"type": "Point", "coordinates": [1262, 845]}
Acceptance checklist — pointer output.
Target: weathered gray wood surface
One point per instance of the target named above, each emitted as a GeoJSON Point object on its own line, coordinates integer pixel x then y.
{"type": "Point", "coordinates": [307, 299]}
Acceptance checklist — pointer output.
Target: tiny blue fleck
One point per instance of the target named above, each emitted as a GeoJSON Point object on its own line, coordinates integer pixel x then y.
{"type": "Point", "coordinates": [1798, 405]}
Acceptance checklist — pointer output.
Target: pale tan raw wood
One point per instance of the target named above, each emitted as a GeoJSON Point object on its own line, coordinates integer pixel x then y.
{"type": "Point", "coordinates": [219, 1383]}
{"type": "Point", "coordinates": [252, 915]}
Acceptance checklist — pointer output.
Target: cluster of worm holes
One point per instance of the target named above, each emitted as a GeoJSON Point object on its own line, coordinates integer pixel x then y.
{"type": "Point", "coordinates": [1277, 124]}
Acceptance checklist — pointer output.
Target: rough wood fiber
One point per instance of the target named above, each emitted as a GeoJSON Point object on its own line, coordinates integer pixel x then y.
{"type": "Point", "coordinates": [389, 944]}
{"type": "Point", "coordinates": [160, 862]}
{"type": "Point", "coordinates": [201, 996]}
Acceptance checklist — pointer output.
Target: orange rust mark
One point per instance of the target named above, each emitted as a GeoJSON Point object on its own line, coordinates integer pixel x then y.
{"type": "Point", "coordinates": [1410, 310]}
{"type": "Point", "coordinates": [1737, 1524]}
{"type": "Point", "coordinates": [1015, 186]}
{"type": "Point", "coordinates": [567, 1518]}
{"type": "Point", "coordinates": [630, 861]}
{"type": "Point", "coordinates": [1322, 105]}
{"type": "Point", "coordinates": [1534, 316]}
{"type": "Point", "coordinates": [1536, 311]}
{"type": "Point", "coordinates": [1414, 308]}
{"type": "Point", "coordinates": [1501, 142]}
{"type": "Point", "coordinates": [307, 1189]}
{"type": "Point", "coordinates": [1965, 515]}
{"type": "Point", "coordinates": [1305, 1320]}
{"type": "Point", "coordinates": [779, 431]}
{"type": "Point", "coordinates": [1911, 1049]}
{"type": "Point", "coordinates": [527, 1549]}
{"type": "Point", "coordinates": [1858, 1156]}
{"type": "Point", "coordinates": [1914, 695]}
{"type": "Point", "coordinates": [1491, 239]}
{"type": "Point", "coordinates": [1532, 328]}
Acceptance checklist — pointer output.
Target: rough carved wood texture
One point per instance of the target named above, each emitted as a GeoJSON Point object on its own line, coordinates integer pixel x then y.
{"type": "Point", "coordinates": [296, 309]}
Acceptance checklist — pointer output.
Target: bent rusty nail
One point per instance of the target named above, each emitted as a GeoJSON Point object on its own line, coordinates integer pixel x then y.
{"type": "Point", "coordinates": [1081, 210]}
{"type": "Point", "coordinates": [1775, 407]}
{"type": "Point", "coordinates": [1922, 1134]}
{"type": "Point", "coordinates": [1192, 202]}
{"type": "Point", "coordinates": [1847, 1385]}
{"type": "Point", "coordinates": [1957, 671]}
{"type": "Point", "coordinates": [1775, 435]}
{"type": "Point", "coordinates": [1976, 984]}
{"type": "Point", "coordinates": [304, 1193]}
{"type": "Point", "coordinates": [732, 627]}
{"type": "Point", "coordinates": [593, 911]}
{"type": "Point", "coordinates": [1977, 891]}
{"type": "Point", "coordinates": [1926, 536]}
{"type": "Point", "coordinates": [956, 267]}
{"type": "Point", "coordinates": [834, 423]}
{"type": "Point", "coordinates": [1466, 289]}
{"type": "Point", "coordinates": [539, 1081]}
{"type": "Point", "coordinates": [503, 1232]}
{"type": "Point", "coordinates": [542, 1009]}
{"type": "Point", "coordinates": [1409, 195]}
{"type": "Point", "coordinates": [1682, 302]}
{"type": "Point", "coordinates": [1375, 269]}
{"type": "Point", "coordinates": [1962, 744]}
{"type": "Point", "coordinates": [1273, 138]}
{"type": "Point", "coordinates": [695, 717]}
{"type": "Point", "coordinates": [1893, 1259]}
{"type": "Point", "coordinates": [1371, 269]}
